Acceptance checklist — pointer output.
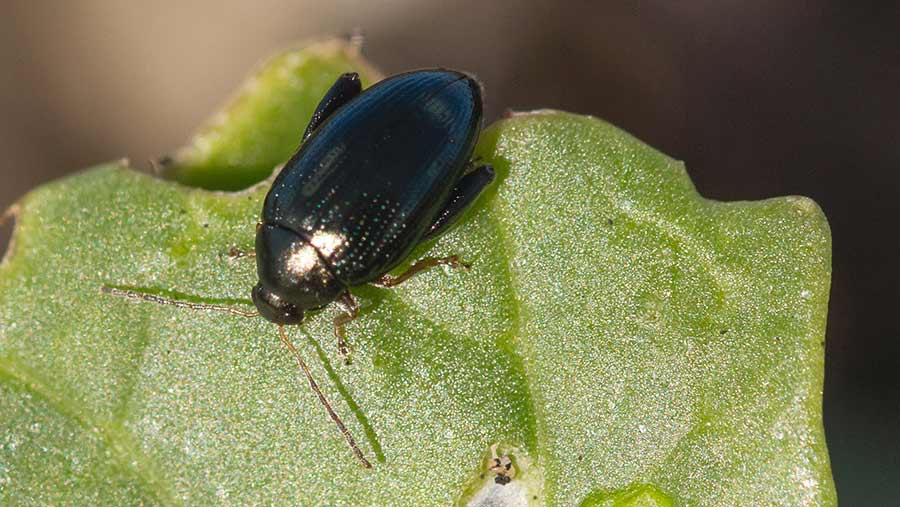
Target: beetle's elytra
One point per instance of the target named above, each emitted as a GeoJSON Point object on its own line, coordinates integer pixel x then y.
{"type": "Point", "coordinates": [377, 173]}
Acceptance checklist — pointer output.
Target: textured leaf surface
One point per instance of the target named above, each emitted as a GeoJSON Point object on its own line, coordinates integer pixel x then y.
{"type": "Point", "coordinates": [616, 329]}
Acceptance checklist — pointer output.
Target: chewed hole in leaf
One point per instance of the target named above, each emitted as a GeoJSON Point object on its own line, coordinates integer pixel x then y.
{"type": "Point", "coordinates": [506, 477]}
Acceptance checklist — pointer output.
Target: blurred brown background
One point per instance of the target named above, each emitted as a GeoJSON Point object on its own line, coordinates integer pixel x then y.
{"type": "Point", "coordinates": [760, 99]}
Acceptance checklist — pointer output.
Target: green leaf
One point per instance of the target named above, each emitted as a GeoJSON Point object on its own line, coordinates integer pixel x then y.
{"type": "Point", "coordinates": [619, 339]}
{"type": "Point", "coordinates": [259, 128]}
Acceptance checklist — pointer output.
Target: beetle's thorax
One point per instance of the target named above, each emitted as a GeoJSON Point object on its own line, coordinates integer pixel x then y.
{"type": "Point", "coordinates": [291, 270]}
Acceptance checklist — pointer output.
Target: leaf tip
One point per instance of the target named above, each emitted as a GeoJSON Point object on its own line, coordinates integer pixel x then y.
{"type": "Point", "coordinates": [260, 125]}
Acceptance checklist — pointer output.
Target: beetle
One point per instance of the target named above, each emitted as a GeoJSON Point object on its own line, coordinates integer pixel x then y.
{"type": "Point", "coordinates": [377, 173]}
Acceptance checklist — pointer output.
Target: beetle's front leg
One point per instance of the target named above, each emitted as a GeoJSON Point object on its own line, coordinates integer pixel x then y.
{"type": "Point", "coordinates": [236, 253]}
{"type": "Point", "coordinates": [388, 281]}
{"type": "Point", "coordinates": [349, 311]}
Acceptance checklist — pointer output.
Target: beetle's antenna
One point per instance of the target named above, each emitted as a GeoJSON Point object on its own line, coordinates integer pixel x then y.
{"type": "Point", "coordinates": [315, 387]}
{"type": "Point", "coordinates": [153, 298]}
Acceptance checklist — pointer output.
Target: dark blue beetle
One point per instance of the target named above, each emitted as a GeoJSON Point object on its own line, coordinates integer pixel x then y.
{"type": "Point", "coordinates": [378, 173]}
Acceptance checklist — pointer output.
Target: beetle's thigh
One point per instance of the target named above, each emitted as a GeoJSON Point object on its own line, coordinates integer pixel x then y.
{"type": "Point", "coordinates": [347, 87]}
{"type": "Point", "coordinates": [467, 189]}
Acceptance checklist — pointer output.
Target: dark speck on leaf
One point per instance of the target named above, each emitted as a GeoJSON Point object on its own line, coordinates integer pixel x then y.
{"type": "Point", "coordinates": [723, 331]}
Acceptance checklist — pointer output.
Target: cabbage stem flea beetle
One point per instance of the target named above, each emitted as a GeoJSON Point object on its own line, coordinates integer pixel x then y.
{"type": "Point", "coordinates": [377, 173]}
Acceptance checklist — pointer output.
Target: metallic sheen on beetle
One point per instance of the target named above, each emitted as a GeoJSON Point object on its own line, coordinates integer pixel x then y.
{"type": "Point", "coordinates": [381, 171]}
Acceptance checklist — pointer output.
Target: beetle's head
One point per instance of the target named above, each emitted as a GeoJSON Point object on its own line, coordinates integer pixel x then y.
{"type": "Point", "coordinates": [292, 276]}
{"type": "Point", "coordinates": [275, 309]}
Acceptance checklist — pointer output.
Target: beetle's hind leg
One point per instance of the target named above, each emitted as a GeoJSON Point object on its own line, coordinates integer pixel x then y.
{"type": "Point", "coordinates": [349, 311]}
{"type": "Point", "coordinates": [467, 189]}
{"type": "Point", "coordinates": [388, 281]}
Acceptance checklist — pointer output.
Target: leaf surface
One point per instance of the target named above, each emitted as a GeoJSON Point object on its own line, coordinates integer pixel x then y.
{"type": "Point", "coordinates": [620, 338]}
